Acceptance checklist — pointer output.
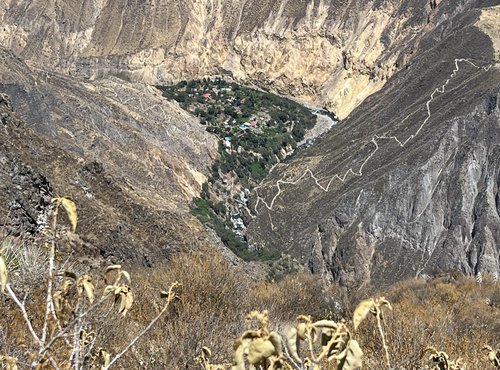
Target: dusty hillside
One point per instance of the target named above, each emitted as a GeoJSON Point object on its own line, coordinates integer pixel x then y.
{"type": "Point", "coordinates": [408, 183]}
{"type": "Point", "coordinates": [131, 160]}
{"type": "Point", "coordinates": [334, 53]}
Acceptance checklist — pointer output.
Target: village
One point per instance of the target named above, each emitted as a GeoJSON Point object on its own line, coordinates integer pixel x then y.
{"type": "Point", "coordinates": [233, 111]}
{"type": "Point", "coordinates": [256, 130]}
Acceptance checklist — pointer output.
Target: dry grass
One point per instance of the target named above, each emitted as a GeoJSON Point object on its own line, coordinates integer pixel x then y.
{"type": "Point", "coordinates": [454, 315]}
{"type": "Point", "coordinates": [215, 298]}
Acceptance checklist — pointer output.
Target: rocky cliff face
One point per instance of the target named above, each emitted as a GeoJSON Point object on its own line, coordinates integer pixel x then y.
{"type": "Point", "coordinates": [333, 53]}
{"type": "Point", "coordinates": [408, 184]}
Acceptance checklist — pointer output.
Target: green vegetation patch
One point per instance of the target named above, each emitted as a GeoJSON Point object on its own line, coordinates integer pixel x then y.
{"type": "Point", "coordinates": [206, 212]}
{"type": "Point", "coordinates": [255, 129]}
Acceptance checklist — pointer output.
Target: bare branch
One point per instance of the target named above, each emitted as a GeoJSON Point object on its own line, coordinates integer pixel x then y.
{"type": "Point", "coordinates": [22, 308]}
{"type": "Point", "coordinates": [49, 310]}
{"type": "Point", "coordinates": [170, 297]}
{"type": "Point", "coordinates": [75, 351]}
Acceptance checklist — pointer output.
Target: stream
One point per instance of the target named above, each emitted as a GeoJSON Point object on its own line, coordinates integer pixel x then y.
{"type": "Point", "coordinates": [323, 124]}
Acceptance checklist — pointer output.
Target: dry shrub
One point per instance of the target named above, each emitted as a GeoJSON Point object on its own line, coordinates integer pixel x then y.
{"type": "Point", "coordinates": [208, 313]}
{"type": "Point", "coordinates": [15, 338]}
{"type": "Point", "coordinates": [26, 259]}
{"type": "Point", "coordinates": [453, 315]}
{"type": "Point", "coordinates": [296, 295]}
{"type": "Point", "coordinates": [215, 297]}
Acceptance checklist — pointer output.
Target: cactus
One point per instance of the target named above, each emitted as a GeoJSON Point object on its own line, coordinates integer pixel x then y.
{"type": "Point", "coordinates": [441, 361]}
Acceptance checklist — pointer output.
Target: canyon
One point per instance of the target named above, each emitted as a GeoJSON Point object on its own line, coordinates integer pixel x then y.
{"type": "Point", "coordinates": [405, 185]}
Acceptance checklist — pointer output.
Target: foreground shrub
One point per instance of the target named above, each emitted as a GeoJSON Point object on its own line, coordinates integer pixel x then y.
{"type": "Point", "coordinates": [84, 325]}
{"type": "Point", "coordinates": [59, 329]}
{"type": "Point", "coordinates": [215, 293]}
{"type": "Point", "coordinates": [452, 314]}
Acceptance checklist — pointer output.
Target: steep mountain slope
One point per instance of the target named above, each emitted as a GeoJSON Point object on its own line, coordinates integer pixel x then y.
{"type": "Point", "coordinates": [131, 160]}
{"type": "Point", "coordinates": [409, 183]}
{"type": "Point", "coordinates": [334, 53]}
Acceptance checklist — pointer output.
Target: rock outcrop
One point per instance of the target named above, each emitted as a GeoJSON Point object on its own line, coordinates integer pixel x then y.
{"type": "Point", "coordinates": [406, 185]}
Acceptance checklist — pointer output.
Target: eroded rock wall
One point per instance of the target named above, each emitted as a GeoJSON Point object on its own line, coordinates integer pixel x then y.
{"type": "Point", "coordinates": [333, 53]}
{"type": "Point", "coordinates": [131, 160]}
{"type": "Point", "coordinates": [407, 185]}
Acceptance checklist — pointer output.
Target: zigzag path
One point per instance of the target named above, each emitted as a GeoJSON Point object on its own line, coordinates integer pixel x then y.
{"type": "Point", "coordinates": [375, 141]}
